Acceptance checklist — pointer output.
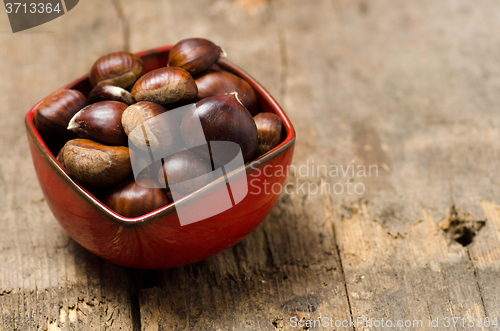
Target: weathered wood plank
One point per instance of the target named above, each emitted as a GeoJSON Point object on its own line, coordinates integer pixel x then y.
{"type": "Point", "coordinates": [48, 282]}
{"type": "Point", "coordinates": [284, 269]}
{"type": "Point", "coordinates": [485, 254]}
{"type": "Point", "coordinates": [289, 266]}
{"type": "Point", "coordinates": [391, 86]}
{"type": "Point", "coordinates": [417, 278]}
{"type": "Point", "coordinates": [409, 87]}
{"type": "Point", "coordinates": [411, 80]}
{"type": "Point", "coordinates": [347, 68]}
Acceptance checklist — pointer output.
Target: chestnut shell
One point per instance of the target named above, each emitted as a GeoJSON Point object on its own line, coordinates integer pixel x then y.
{"type": "Point", "coordinates": [119, 68]}
{"type": "Point", "coordinates": [165, 85]}
{"type": "Point", "coordinates": [269, 130]}
{"type": "Point", "coordinates": [222, 118]}
{"type": "Point", "coordinates": [217, 82]}
{"type": "Point", "coordinates": [101, 121]}
{"type": "Point", "coordinates": [161, 134]}
{"type": "Point", "coordinates": [107, 92]}
{"type": "Point", "coordinates": [194, 55]}
{"type": "Point", "coordinates": [185, 172]}
{"type": "Point", "coordinates": [54, 113]}
{"type": "Point", "coordinates": [96, 164]}
{"type": "Point", "coordinates": [134, 198]}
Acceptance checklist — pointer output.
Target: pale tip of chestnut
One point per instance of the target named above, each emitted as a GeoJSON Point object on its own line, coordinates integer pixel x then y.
{"type": "Point", "coordinates": [223, 53]}
{"type": "Point", "coordinates": [72, 125]}
{"type": "Point", "coordinates": [236, 96]}
{"type": "Point", "coordinates": [115, 89]}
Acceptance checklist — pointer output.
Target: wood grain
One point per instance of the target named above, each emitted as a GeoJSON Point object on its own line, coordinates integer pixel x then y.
{"type": "Point", "coordinates": [47, 282]}
{"type": "Point", "coordinates": [408, 88]}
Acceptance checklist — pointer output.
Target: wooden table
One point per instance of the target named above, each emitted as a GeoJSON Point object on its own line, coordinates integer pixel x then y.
{"type": "Point", "coordinates": [410, 87]}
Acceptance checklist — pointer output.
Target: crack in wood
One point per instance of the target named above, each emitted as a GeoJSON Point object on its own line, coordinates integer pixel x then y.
{"type": "Point", "coordinates": [339, 257]}
{"type": "Point", "coordinates": [126, 28]}
{"type": "Point", "coordinates": [282, 50]}
{"type": "Point", "coordinates": [134, 290]}
{"type": "Point", "coordinates": [477, 283]}
{"type": "Point", "coordinates": [344, 280]}
{"type": "Point", "coordinates": [283, 64]}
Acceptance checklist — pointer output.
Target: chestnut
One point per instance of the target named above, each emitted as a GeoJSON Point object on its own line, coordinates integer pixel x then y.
{"type": "Point", "coordinates": [194, 55]}
{"type": "Point", "coordinates": [120, 69]}
{"type": "Point", "coordinates": [215, 67]}
{"type": "Point", "coordinates": [165, 85]}
{"type": "Point", "coordinates": [217, 82]}
{"type": "Point", "coordinates": [134, 198]}
{"type": "Point", "coordinates": [146, 130]}
{"type": "Point", "coordinates": [143, 165]}
{"type": "Point", "coordinates": [101, 121]}
{"type": "Point", "coordinates": [269, 131]}
{"type": "Point", "coordinates": [54, 113]}
{"type": "Point", "coordinates": [109, 92]}
{"type": "Point", "coordinates": [59, 157]}
{"type": "Point", "coordinates": [96, 164]}
{"type": "Point", "coordinates": [222, 118]}
{"type": "Point", "coordinates": [184, 172]}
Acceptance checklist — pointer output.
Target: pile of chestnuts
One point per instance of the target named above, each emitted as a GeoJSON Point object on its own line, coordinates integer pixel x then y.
{"type": "Point", "coordinates": [97, 132]}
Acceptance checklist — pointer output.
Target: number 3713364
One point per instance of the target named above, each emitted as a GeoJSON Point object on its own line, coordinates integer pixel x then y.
{"type": "Point", "coordinates": [31, 8]}
{"type": "Point", "coordinates": [470, 322]}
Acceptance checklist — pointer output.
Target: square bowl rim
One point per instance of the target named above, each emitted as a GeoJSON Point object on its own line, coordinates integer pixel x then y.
{"type": "Point", "coordinates": [126, 221]}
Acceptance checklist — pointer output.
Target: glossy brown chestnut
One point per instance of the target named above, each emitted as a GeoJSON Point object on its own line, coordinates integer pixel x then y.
{"type": "Point", "coordinates": [269, 131]}
{"type": "Point", "coordinates": [111, 93]}
{"type": "Point", "coordinates": [217, 82]}
{"type": "Point", "coordinates": [184, 172]}
{"type": "Point", "coordinates": [222, 118]}
{"type": "Point", "coordinates": [96, 164]}
{"type": "Point", "coordinates": [134, 198]}
{"type": "Point", "coordinates": [165, 85]}
{"type": "Point", "coordinates": [101, 121]}
{"type": "Point", "coordinates": [215, 67]}
{"type": "Point", "coordinates": [146, 130]}
{"type": "Point", "coordinates": [120, 69]}
{"type": "Point", "coordinates": [194, 55]}
{"type": "Point", "coordinates": [54, 113]}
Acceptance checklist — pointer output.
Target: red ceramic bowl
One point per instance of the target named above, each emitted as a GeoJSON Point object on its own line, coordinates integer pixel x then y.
{"type": "Point", "coordinates": [158, 240]}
